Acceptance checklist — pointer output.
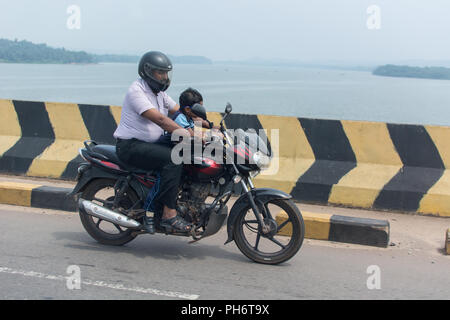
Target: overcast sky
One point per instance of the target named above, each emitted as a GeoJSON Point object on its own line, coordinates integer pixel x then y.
{"type": "Point", "coordinates": [314, 30]}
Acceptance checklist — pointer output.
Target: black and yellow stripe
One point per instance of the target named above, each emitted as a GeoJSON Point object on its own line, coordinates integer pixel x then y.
{"type": "Point", "coordinates": [47, 136]}
{"type": "Point", "coordinates": [98, 123]}
{"type": "Point", "coordinates": [320, 226]}
{"type": "Point", "coordinates": [436, 201]}
{"type": "Point", "coordinates": [37, 196]}
{"type": "Point", "coordinates": [422, 168]}
{"type": "Point", "coordinates": [334, 158]}
{"type": "Point", "coordinates": [349, 163]}
{"type": "Point", "coordinates": [36, 135]}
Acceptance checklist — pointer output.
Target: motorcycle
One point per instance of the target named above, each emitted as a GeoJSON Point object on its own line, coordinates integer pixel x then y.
{"type": "Point", "coordinates": [113, 198]}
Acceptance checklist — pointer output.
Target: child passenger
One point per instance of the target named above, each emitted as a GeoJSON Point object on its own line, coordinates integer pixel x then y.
{"type": "Point", "coordinates": [185, 118]}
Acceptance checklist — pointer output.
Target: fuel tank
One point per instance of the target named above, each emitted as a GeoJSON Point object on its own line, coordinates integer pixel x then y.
{"type": "Point", "coordinates": [203, 169]}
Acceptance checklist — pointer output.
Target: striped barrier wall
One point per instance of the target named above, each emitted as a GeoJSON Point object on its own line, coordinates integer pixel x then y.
{"type": "Point", "coordinates": [359, 164]}
{"type": "Point", "coordinates": [349, 163]}
{"type": "Point", "coordinates": [42, 139]}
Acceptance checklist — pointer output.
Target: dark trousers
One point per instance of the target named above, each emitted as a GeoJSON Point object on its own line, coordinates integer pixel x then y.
{"type": "Point", "coordinates": [153, 156]}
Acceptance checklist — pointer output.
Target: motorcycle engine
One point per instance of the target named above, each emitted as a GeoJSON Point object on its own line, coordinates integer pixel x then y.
{"type": "Point", "coordinates": [191, 200]}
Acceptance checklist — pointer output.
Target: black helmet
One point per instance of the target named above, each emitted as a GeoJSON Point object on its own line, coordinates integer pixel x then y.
{"type": "Point", "coordinates": [152, 62]}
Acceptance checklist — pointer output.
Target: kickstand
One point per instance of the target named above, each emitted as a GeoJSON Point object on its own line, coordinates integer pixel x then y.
{"type": "Point", "coordinates": [194, 237]}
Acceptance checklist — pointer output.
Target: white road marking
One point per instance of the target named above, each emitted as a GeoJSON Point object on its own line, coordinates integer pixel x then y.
{"type": "Point", "coordinates": [171, 294]}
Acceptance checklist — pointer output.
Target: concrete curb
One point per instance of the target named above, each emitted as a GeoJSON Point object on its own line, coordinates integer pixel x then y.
{"type": "Point", "coordinates": [329, 227]}
{"type": "Point", "coordinates": [37, 196]}
{"type": "Point", "coordinates": [370, 232]}
{"type": "Point", "coordinates": [447, 242]}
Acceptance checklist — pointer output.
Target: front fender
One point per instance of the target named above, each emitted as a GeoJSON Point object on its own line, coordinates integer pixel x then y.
{"type": "Point", "coordinates": [260, 196]}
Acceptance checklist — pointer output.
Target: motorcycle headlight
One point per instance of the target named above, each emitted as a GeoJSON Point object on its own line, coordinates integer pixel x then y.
{"type": "Point", "coordinates": [261, 160]}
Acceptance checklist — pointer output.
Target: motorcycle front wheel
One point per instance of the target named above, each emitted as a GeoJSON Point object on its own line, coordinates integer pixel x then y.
{"type": "Point", "coordinates": [287, 231]}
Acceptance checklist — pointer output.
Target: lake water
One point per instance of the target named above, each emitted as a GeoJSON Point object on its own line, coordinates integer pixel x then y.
{"type": "Point", "coordinates": [300, 92]}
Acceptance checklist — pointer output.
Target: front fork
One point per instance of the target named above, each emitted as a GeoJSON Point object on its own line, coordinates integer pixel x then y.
{"type": "Point", "coordinates": [264, 227]}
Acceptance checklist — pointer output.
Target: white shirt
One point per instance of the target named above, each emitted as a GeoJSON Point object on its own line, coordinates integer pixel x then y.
{"type": "Point", "coordinates": [139, 99]}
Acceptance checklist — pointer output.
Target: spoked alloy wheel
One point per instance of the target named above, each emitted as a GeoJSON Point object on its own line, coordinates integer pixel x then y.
{"type": "Point", "coordinates": [101, 192]}
{"type": "Point", "coordinates": [282, 241]}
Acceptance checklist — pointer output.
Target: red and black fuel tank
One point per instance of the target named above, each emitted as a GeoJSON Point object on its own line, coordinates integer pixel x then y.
{"type": "Point", "coordinates": [204, 169]}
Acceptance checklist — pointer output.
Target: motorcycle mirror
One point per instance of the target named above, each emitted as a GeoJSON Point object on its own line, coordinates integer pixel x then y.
{"type": "Point", "coordinates": [199, 110]}
{"type": "Point", "coordinates": [228, 108]}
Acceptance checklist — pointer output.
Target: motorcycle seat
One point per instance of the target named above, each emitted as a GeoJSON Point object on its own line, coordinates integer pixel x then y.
{"type": "Point", "coordinates": [109, 151]}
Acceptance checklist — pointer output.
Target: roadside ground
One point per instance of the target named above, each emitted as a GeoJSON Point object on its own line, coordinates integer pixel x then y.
{"type": "Point", "coordinates": [414, 233]}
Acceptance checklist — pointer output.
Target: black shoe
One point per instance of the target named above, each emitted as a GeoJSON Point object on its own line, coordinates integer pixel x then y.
{"type": "Point", "coordinates": [148, 225]}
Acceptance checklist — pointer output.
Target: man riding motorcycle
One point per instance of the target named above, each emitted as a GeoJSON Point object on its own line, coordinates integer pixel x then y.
{"type": "Point", "coordinates": [117, 185]}
{"type": "Point", "coordinates": [144, 118]}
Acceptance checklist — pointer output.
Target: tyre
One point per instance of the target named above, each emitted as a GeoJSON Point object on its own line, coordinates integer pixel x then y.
{"type": "Point", "coordinates": [101, 192]}
{"type": "Point", "coordinates": [285, 238]}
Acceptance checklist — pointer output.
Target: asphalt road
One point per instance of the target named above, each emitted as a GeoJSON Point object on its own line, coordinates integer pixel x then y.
{"type": "Point", "coordinates": [38, 246]}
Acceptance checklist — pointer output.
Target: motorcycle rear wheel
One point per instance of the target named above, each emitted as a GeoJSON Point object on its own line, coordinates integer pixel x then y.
{"type": "Point", "coordinates": [101, 192]}
{"type": "Point", "coordinates": [281, 244]}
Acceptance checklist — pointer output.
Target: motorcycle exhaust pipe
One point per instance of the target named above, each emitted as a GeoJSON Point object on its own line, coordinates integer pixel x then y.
{"type": "Point", "coordinates": [108, 215]}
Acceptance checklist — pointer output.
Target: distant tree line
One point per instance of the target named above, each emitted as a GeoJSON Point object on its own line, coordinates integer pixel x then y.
{"type": "Point", "coordinates": [413, 72]}
{"type": "Point", "coordinates": [28, 52]}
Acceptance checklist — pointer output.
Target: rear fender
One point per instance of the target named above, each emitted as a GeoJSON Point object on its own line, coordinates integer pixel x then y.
{"type": "Point", "coordinates": [261, 196]}
{"type": "Point", "coordinates": [86, 173]}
